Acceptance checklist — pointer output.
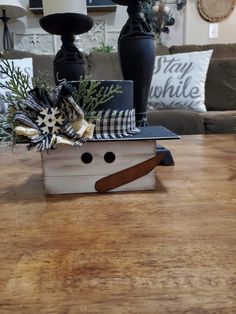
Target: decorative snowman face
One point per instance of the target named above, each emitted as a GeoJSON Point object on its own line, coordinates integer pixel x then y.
{"type": "Point", "coordinates": [99, 166]}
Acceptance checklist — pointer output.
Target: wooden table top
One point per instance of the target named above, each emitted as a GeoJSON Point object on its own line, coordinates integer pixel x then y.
{"type": "Point", "coordinates": [172, 250]}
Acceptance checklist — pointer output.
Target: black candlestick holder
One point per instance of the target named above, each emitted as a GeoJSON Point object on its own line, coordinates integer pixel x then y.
{"type": "Point", "coordinates": [7, 38]}
{"type": "Point", "coordinates": [69, 63]}
{"type": "Point", "coordinates": [137, 52]}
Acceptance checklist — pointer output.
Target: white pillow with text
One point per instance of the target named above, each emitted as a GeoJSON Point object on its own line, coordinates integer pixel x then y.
{"type": "Point", "coordinates": [178, 81]}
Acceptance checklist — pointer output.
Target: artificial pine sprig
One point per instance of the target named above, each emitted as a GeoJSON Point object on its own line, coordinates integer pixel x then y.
{"type": "Point", "coordinates": [7, 135]}
{"type": "Point", "coordinates": [41, 81]}
{"type": "Point", "coordinates": [18, 82]}
{"type": "Point", "coordinates": [90, 95]}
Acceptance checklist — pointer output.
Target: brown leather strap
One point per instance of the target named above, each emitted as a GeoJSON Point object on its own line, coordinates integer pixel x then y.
{"type": "Point", "coordinates": [129, 174]}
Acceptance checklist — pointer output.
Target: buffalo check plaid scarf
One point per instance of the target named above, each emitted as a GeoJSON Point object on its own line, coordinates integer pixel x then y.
{"type": "Point", "coordinates": [114, 124]}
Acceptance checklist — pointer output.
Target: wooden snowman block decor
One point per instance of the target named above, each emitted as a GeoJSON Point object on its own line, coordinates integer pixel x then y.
{"type": "Point", "coordinates": [119, 156]}
{"type": "Point", "coordinates": [87, 137]}
{"type": "Point", "coordinates": [124, 165]}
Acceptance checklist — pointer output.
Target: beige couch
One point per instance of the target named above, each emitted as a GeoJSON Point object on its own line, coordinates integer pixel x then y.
{"type": "Point", "coordinates": [220, 87]}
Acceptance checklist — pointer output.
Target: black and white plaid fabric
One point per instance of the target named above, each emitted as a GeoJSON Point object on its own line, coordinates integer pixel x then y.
{"type": "Point", "coordinates": [115, 124]}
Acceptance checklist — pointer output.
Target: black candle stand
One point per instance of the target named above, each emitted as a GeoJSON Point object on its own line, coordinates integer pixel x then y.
{"type": "Point", "coordinates": [7, 38]}
{"type": "Point", "coordinates": [69, 63]}
{"type": "Point", "coordinates": [137, 52]}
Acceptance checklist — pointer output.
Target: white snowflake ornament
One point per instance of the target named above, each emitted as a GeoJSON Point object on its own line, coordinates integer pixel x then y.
{"type": "Point", "coordinates": [50, 122]}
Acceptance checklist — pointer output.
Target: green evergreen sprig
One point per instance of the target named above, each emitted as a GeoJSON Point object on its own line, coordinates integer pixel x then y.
{"type": "Point", "coordinates": [7, 137]}
{"type": "Point", "coordinates": [18, 82]}
{"type": "Point", "coordinates": [41, 81]}
{"type": "Point", "coordinates": [90, 95]}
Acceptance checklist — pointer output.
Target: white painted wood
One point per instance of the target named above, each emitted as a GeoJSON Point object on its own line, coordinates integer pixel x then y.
{"type": "Point", "coordinates": [85, 184]}
{"type": "Point", "coordinates": [119, 148]}
{"type": "Point", "coordinates": [66, 161]}
{"type": "Point", "coordinates": [74, 166]}
{"type": "Point", "coordinates": [64, 171]}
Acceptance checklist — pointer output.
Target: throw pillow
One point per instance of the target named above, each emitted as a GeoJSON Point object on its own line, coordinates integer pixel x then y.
{"type": "Point", "coordinates": [25, 65]}
{"type": "Point", "coordinates": [104, 66]}
{"type": "Point", "coordinates": [179, 81]}
{"type": "Point", "coordinates": [221, 84]}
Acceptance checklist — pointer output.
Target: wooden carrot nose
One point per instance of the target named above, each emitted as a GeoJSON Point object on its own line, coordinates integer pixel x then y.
{"type": "Point", "coordinates": [129, 174]}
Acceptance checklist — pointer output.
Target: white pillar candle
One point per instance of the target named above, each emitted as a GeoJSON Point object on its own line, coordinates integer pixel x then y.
{"type": "Point", "coordinates": [67, 6]}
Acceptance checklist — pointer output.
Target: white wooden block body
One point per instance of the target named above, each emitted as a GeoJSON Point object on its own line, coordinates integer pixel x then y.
{"type": "Point", "coordinates": [65, 172]}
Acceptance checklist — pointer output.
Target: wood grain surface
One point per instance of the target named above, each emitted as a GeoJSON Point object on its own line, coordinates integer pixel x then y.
{"type": "Point", "coordinates": [172, 250]}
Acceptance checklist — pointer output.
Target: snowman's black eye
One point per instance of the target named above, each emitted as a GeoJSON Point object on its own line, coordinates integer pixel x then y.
{"type": "Point", "coordinates": [109, 157]}
{"type": "Point", "coordinates": [87, 158]}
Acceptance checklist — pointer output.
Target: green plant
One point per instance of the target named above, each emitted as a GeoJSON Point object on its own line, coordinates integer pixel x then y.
{"type": "Point", "coordinates": [90, 95]}
{"type": "Point", "coordinates": [104, 48]}
{"type": "Point", "coordinates": [18, 83]}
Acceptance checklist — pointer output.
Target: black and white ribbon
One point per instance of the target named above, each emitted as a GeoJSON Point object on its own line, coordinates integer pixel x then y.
{"type": "Point", "coordinates": [115, 124]}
